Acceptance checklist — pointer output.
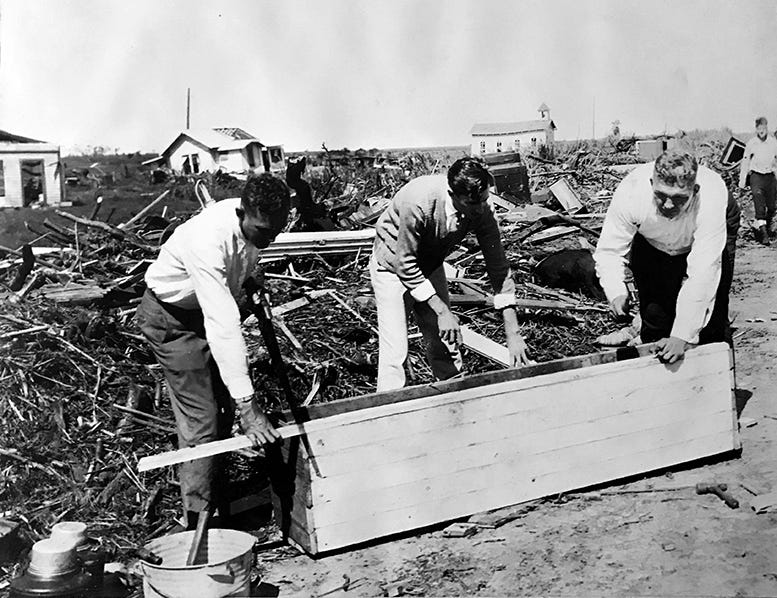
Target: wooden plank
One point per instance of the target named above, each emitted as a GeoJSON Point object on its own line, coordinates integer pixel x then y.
{"type": "Point", "coordinates": [325, 242]}
{"type": "Point", "coordinates": [504, 491]}
{"type": "Point", "coordinates": [554, 232]}
{"type": "Point", "coordinates": [436, 388]}
{"type": "Point", "coordinates": [144, 211]}
{"type": "Point", "coordinates": [484, 346]}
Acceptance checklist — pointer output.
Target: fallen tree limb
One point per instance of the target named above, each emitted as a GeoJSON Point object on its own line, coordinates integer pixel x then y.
{"type": "Point", "coordinates": [116, 233]}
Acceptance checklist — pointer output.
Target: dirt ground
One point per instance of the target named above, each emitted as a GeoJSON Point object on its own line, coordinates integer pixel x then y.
{"type": "Point", "coordinates": [591, 543]}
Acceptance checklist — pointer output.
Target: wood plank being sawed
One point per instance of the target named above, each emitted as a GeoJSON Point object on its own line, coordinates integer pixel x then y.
{"type": "Point", "coordinates": [405, 464]}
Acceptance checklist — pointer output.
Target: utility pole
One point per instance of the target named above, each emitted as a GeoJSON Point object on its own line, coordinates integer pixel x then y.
{"type": "Point", "coordinates": [593, 118]}
{"type": "Point", "coordinates": [188, 106]}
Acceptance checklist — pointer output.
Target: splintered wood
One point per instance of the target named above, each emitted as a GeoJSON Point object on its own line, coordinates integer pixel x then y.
{"type": "Point", "coordinates": [391, 462]}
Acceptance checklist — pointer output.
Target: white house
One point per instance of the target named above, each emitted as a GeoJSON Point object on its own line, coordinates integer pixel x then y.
{"type": "Point", "coordinates": [226, 149]}
{"type": "Point", "coordinates": [30, 171]}
{"type": "Point", "coordinates": [521, 136]}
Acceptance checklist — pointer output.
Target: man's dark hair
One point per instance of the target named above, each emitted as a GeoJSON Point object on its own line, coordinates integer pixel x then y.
{"type": "Point", "coordinates": [761, 120]}
{"type": "Point", "coordinates": [265, 193]}
{"type": "Point", "coordinates": [676, 167]}
{"type": "Point", "coordinates": [469, 177]}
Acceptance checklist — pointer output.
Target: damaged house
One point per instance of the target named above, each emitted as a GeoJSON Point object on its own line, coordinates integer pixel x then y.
{"type": "Point", "coordinates": [226, 149]}
{"type": "Point", "coordinates": [30, 172]}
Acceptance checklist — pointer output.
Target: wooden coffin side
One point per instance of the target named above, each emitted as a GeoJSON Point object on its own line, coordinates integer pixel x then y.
{"type": "Point", "coordinates": [314, 412]}
{"type": "Point", "coordinates": [292, 501]}
{"type": "Point", "coordinates": [393, 468]}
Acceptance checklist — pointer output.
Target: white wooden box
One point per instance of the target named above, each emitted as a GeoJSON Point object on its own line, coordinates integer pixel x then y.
{"type": "Point", "coordinates": [376, 465]}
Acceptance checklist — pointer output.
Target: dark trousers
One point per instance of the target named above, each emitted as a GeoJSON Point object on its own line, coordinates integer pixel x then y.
{"type": "Point", "coordinates": [658, 277]}
{"type": "Point", "coordinates": [764, 188]}
{"type": "Point", "coordinates": [201, 403]}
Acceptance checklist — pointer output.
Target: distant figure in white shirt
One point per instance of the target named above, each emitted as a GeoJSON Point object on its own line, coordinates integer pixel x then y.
{"type": "Point", "coordinates": [190, 316]}
{"type": "Point", "coordinates": [671, 215]}
{"type": "Point", "coordinates": [760, 162]}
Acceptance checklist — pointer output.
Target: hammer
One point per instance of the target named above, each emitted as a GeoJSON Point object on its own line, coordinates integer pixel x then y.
{"type": "Point", "coordinates": [718, 490]}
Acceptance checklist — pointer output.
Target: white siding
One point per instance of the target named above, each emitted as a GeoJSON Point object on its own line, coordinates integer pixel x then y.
{"type": "Point", "coordinates": [233, 161]}
{"type": "Point", "coordinates": [187, 148]}
{"type": "Point", "coordinates": [507, 143]}
{"type": "Point", "coordinates": [12, 176]}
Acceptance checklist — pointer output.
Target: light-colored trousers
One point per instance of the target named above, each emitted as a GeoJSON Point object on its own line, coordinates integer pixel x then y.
{"type": "Point", "coordinates": [394, 301]}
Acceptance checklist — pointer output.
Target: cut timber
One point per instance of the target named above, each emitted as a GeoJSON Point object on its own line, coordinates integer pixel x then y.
{"type": "Point", "coordinates": [144, 211]}
{"type": "Point", "coordinates": [323, 243]}
{"type": "Point", "coordinates": [393, 462]}
{"type": "Point", "coordinates": [482, 345]}
{"type": "Point", "coordinates": [555, 232]}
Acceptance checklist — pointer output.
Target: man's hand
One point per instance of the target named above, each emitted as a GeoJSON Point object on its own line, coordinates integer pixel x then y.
{"type": "Point", "coordinates": [517, 347]}
{"type": "Point", "coordinates": [621, 306]}
{"type": "Point", "coordinates": [447, 322]}
{"type": "Point", "coordinates": [670, 349]}
{"type": "Point", "coordinates": [255, 424]}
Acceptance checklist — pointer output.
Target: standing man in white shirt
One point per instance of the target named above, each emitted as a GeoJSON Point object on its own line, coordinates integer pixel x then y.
{"type": "Point", "coordinates": [760, 161]}
{"type": "Point", "coordinates": [671, 215]}
{"type": "Point", "coordinates": [190, 317]}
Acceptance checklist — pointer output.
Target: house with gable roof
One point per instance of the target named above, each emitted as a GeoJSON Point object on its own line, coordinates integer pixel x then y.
{"type": "Point", "coordinates": [229, 149]}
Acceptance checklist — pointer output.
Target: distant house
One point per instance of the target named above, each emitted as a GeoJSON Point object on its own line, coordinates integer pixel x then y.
{"type": "Point", "coordinates": [30, 171]}
{"type": "Point", "coordinates": [226, 149]}
{"type": "Point", "coordinates": [527, 135]}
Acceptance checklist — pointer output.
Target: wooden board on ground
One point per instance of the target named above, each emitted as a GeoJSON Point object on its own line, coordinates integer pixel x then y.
{"type": "Point", "coordinates": [392, 462]}
{"type": "Point", "coordinates": [324, 243]}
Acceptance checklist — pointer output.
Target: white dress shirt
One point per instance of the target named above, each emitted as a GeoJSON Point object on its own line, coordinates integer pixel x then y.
{"type": "Point", "coordinates": [760, 156]}
{"type": "Point", "coordinates": [203, 265]}
{"type": "Point", "coordinates": [699, 231]}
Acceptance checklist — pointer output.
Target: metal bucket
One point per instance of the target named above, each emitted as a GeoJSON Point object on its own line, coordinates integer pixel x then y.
{"type": "Point", "coordinates": [227, 556]}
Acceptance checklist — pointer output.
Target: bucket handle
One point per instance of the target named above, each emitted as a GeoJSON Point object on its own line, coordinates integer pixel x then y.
{"type": "Point", "coordinates": [224, 573]}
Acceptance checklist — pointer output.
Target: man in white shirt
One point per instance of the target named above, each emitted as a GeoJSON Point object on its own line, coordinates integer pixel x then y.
{"type": "Point", "coordinates": [190, 317]}
{"type": "Point", "coordinates": [671, 215]}
{"type": "Point", "coordinates": [759, 162]}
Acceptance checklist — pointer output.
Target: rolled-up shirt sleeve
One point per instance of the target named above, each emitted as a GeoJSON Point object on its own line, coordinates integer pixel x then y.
{"type": "Point", "coordinates": [615, 242]}
{"type": "Point", "coordinates": [205, 265]}
{"type": "Point", "coordinates": [409, 231]}
{"type": "Point", "coordinates": [498, 268]}
{"type": "Point", "coordinates": [696, 299]}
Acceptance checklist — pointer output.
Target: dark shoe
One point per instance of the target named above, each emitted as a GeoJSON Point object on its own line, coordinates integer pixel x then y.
{"type": "Point", "coordinates": [762, 235]}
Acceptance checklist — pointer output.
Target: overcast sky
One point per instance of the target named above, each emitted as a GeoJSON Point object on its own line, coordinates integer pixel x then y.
{"type": "Point", "coordinates": [379, 73]}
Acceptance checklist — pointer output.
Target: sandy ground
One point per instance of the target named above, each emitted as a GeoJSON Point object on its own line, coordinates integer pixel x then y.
{"type": "Point", "coordinates": [591, 544]}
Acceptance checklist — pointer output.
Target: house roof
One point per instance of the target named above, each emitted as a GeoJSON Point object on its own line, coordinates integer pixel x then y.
{"type": "Point", "coordinates": [220, 139]}
{"type": "Point", "coordinates": [543, 107]}
{"type": "Point", "coordinates": [5, 136]}
{"type": "Point", "coordinates": [234, 132]}
{"type": "Point", "coordinates": [525, 126]}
